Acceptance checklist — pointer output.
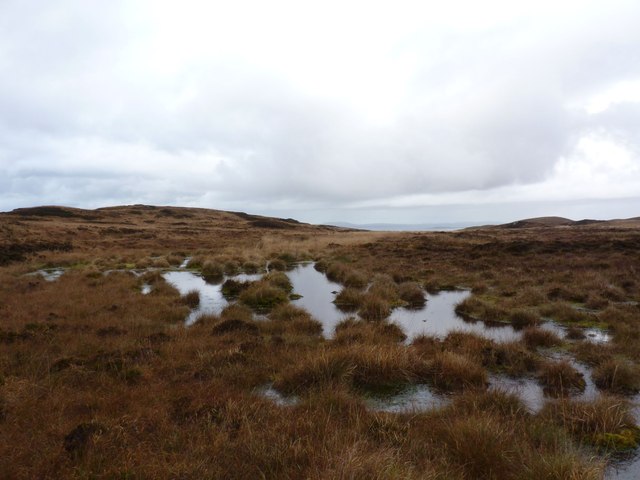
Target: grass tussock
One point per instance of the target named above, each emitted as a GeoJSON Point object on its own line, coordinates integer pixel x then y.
{"type": "Point", "coordinates": [265, 294]}
{"type": "Point", "coordinates": [353, 331]}
{"type": "Point", "coordinates": [289, 318]}
{"type": "Point", "coordinates": [349, 299]}
{"type": "Point", "coordinates": [455, 372]}
{"type": "Point", "coordinates": [412, 293]}
{"type": "Point", "coordinates": [560, 378]}
{"type": "Point", "coordinates": [370, 367]}
{"type": "Point", "coordinates": [617, 376]}
{"type": "Point", "coordinates": [523, 318]}
{"type": "Point", "coordinates": [212, 271]}
{"type": "Point", "coordinates": [374, 308]}
{"type": "Point", "coordinates": [534, 337]}
{"type": "Point", "coordinates": [192, 298]}
{"type": "Point", "coordinates": [605, 422]}
{"type": "Point", "coordinates": [231, 289]}
{"type": "Point", "coordinates": [477, 309]}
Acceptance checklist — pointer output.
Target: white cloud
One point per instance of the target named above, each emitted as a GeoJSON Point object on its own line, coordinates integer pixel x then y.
{"type": "Point", "coordinates": [299, 105]}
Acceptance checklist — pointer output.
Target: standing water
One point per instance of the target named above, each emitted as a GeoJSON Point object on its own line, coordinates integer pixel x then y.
{"type": "Point", "coordinates": [212, 302]}
{"type": "Point", "coordinates": [318, 294]}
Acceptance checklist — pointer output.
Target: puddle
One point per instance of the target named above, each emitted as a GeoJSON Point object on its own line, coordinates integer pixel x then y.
{"type": "Point", "coordinates": [212, 302]}
{"type": "Point", "coordinates": [593, 335]}
{"type": "Point", "coordinates": [527, 389]}
{"type": "Point", "coordinates": [415, 398]}
{"type": "Point", "coordinates": [317, 296]}
{"type": "Point", "coordinates": [49, 274]}
{"type": "Point", "coordinates": [270, 393]}
{"type": "Point", "coordinates": [146, 289]}
{"type": "Point", "coordinates": [532, 394]}
{"type": "Point", "coordinates": [438, 318]}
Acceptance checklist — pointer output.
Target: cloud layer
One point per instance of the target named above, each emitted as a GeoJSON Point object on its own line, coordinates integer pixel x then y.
{"type": "Point", "coordinates": [296, 107]}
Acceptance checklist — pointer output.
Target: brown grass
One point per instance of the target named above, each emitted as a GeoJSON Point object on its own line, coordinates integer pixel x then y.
{"type": "Point", "coordinates": [617, 376]}
{"type": "Point", "coordinates": [374, 308]}
{"type": "Point", "coordinates": [103, 382]}
{"type": "Point", "coordinates": [534, 337]}
{"type": "Point", "coordinates": [560, 378]}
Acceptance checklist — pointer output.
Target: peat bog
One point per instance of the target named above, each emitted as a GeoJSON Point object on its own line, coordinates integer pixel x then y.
{"type": "Point", "coordinates": [163, 342]}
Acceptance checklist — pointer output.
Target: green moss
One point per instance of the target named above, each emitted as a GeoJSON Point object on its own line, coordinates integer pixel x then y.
{"type": "Point", "coordinates": [626, 439]}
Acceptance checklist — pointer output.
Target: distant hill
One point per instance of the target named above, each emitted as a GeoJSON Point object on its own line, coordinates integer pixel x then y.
{"type": "Point", "coordinates": [551, 222]}
{"type": "Point", "coordinates": [28, 231]}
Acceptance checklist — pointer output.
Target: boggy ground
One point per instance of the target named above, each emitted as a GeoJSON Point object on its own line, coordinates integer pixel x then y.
{"type": "Point", "coordinates": [100, 381]}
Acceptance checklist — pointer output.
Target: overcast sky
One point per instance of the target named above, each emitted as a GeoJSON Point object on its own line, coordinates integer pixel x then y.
{"type": "Point", "coordinates": [359, 111]}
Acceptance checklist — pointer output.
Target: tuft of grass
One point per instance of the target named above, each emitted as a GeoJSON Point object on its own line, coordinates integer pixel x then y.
{"type": "Point", "coordinates": [295, 319]}
{"type": "Point", "coordinates": [385, 288]}
{"type": "Point", "coordinates": [575, 333]}
{"type": "Point", "coordinates": [250, 267]}
{"type": "Point", "coordinates": [617, 376]}
{"type": "Point", "coordinates": [523, 318]}
{"type": "Point", "coordinates": [280, 280]}
{"type": "Point", "coordinates": [455, 372]}
{"type": "Point", "coordinates": [262, 296]}
{"type": "Point", "coordinates": [412, 293]}
{"type": "Point", "coordinates": [605, 422]}
{"type": "Point", "coordinates": [560, 378]}
{"type": "Point", "coordinates": [237, 311]}
{"type": "Point", "coordinates": [534, 337]}
{"type": "Point", "coordinates": [277, 265]}
{"type": "Point", "coordinates": [477, 309]}
{"type": "Point", "coordinates": [368, 367]}
{"type": "Point", "coordinates": [565, 313]}
{"type": "Point", "coordinates": [491, 401]}
{"type": "Point", "coordinates": [191, 298]}
{"type": "Point", "coordinates": [212, 272]}
{"type": "Point", "coordinates": [231, 289]}
{"type": "Point", "coordinates": [374, 308]}
{"type": "Point", "coordinates": [234, 325]}
{"type": "Point", "coordinates": [351, 330]}
{"type": "Point", "coordinates": [349, 299]}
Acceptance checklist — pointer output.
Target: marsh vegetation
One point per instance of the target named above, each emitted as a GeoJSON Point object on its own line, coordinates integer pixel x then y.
{"type": "Point", "coordinates": [186, 343]}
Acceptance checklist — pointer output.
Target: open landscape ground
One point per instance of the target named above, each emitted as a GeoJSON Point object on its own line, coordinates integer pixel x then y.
{"type": "Point", "coordinates": [109, 370]}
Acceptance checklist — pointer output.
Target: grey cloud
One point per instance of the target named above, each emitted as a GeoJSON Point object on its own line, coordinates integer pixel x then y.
{"type": "Point", "coordinates": [481, 110]}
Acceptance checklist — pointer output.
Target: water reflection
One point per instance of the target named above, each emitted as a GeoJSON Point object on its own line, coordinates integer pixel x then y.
{"type": "Point", "coordinates": [317, 296]}
{"type": "Point", "coordinates": [438, 318]}
{"type": "Point", "coordinates": [49, 274]}
{"type": "Point", "coordinates": [212, 302]}
{"type": "Point", "coordinates": [414, 398]}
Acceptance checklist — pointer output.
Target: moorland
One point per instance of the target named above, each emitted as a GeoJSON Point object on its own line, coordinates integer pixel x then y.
{"type": "Point", "coordinates": [100, 377]}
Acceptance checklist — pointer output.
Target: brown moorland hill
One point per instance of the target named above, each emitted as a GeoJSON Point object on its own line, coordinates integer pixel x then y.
{"type": "Point", "coordinates": [25, 231]}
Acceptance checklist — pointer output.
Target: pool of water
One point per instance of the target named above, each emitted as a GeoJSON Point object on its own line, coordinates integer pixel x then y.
{"type": "Point", "coordinates": [49, 274]}
{"type": "Point", "coordinates": [532, 394]}
{"type": "Point", "coordinates": [415, 398]}
{"type": "Point", "coordinates": [318, 294]}
{"type": "Point", "coordinates": [438, 318]}
{"type": "Point", "coordinates": [270, 393]}
{"type": "Point", "coordinates": [212, 302]}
